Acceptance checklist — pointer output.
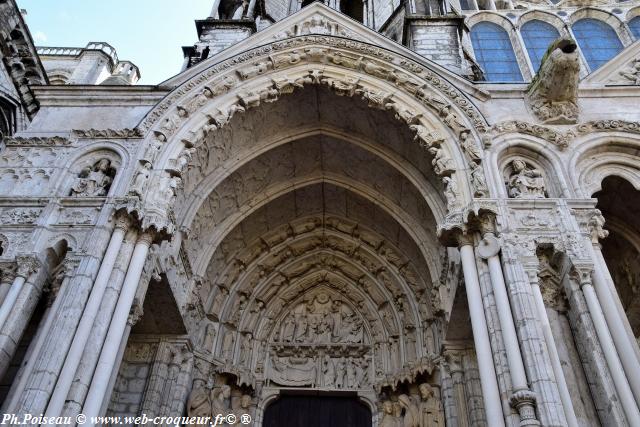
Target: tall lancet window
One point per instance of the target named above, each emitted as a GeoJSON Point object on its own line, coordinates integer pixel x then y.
{"type": "Point", "coordinates": [537, 36]}
{"type": "Point", "coordinates": [494, 53]}
{"type": "Point", "coordinates": [597, 40]}
{"type": "Point", "coordinates": [634, 26]}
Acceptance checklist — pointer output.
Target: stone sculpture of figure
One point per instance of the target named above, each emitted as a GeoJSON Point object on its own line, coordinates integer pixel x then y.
{"type": "Point", "coordinates": [411, 411]}
{"type": "Point", "coordinates": [632, 73]}
{"type": "Point", "coordinates": [245, 407]}
{"type": "Point", "coordinates": [140, 181]}
{"type": "Point", "coordinates": [152, 150]}
{"type": "Point", "coordinates": [478, 181]}
{"type": "Point", "coordinates": [288, 329]}
{"type": "Point", "coordinates": [442, 164]}
{"type": "Point", "coordinates": [525, 182]}
{"type": "Point", "coordinates": [430, 412]}
{"type": "Point", "coordinates": [209, 337]}
{"type": "Point", "coordinates": [451, 193]}
{"type": "Point", "coordinates": [469, 147]}
{"type": "Point", "coordinates": [328, 371]}
{"type": "Point", "coordinates": [219, 400]}
{"type": "Point", "coordinates": [301, 327]}
{"type": "Point", "coordinates": [245, 349]}
{"type": "Point", "coordinates": [227, 345]}
{"type": "Point", "coordinates": [199, 402]}
{"type": "Point", "coordinates": [184, 158]}
{"type": "Point", "coordinates": [351, 374]}
{"type": "Point", "coordinates": [340, 373]}
{"type": "Point", "coordinates": [168, 191]}
{"type": "Point", "coordinates": [94, 182]}
{"type": "Point", "coordinates": [389, 419]}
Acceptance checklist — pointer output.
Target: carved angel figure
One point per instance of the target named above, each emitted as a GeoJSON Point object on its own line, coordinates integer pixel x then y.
{"type": "Point", "coordinates": [525, 182]}
{"type": "Point", "coordinates": [442, 164]}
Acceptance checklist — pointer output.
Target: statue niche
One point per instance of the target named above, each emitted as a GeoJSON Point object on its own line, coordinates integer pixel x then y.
{"type": "Point", "coordinates": [525, 182]}
{"type": "Point", "coordinates": [94, 181]}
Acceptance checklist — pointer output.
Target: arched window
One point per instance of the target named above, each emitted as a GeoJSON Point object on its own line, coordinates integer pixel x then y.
{"type": "Point", "coordinates": [634, 25]}
{"type": "Point", "coordinates": [537, 36]}
{"type": "Point", "coordinates": [597, 40]}
{"type": "Point", "coordinates": [494, 53]}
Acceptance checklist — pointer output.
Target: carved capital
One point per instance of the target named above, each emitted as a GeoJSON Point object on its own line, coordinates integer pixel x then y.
{"type": "Point", "coordinates": [27, 265]}
{"type": "Point", "coordinates": [524, 401]}
{"type": "Point", "coordinates": [582, 276]}
{"type": "Point", "coordinates": [7, 272]}
{"type": "Point", "coordinates": [122, 222]}
{"type": "Point", "coordinates": [464, 239]}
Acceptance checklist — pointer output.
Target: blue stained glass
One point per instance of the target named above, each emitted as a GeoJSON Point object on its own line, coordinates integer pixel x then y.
{"type": "Point", "coordinates": [597, 40]}
{"type": "Point", "coordinates": [494, 53]}
{"type": "Point", "coordinates": [634, 25]}
{"type": "Point", "coordinates": [537, 36]}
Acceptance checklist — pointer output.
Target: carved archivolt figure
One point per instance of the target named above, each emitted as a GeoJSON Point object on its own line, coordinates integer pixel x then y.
{"type": "Point", "coordinates": [94, 181]}
{"type": "Point", "coordinates": [451, 193]}
{"type": "Point", "coordinates": [478, 181]}
{"type": "Point", "coordinates": [141, 179]}
{"type": "Point", "coordinates": [525, 182]}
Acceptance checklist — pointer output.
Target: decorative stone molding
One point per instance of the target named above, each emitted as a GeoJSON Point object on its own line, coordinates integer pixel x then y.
{"type": "Point", "coordinates": [107, 133]}
{"type": "Point", "coordinates": [524, 402]}
{"type": "Point", "coordinates": [553, 92]}
{"type": "Point", "coordinates": [319, 49]}
{"type": "Point", "coordinates": [596, 227]}
{"type": "Point", "coordinates": [36, 141]}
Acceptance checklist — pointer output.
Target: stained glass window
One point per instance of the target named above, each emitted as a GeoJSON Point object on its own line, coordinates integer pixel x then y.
{"type": "Point", "coordinates": [537, 36]}
{"type": "Point", "coordinates": [494, 53]}
{"type": "Point", "coordinates": [634, 25]}
{"type": "Point", "coordinates": [597, 40]}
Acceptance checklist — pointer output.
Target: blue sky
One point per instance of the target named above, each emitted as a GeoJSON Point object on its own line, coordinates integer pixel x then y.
{"type": "Point", "coordinates": [150, 33]}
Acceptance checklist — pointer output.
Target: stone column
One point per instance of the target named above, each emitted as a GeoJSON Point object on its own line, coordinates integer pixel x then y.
{"type": "Point", "coordinates": [59, 281]}
{"type": "Point", "coordinates": [490, 391]}
{"type": "Point", "coordinates": [71, 362]}
{"type": "Point", "coordinates": [454, 362]}
{"type": "Point", "coordinates": [522, 398]}
{"type": "Point", "coordinates": [26, 266]}
{"type": "Point", "coordinates": [626, 347]}
{"type": "Point", "coordinates": [615, 367]}
{"type": "Point", "coordinates": [21, 301]}
{"type": "Point", "coordinates": [50, 360]}
{"type": "Point", "coordinates": [532, 343]}
{"type": "Point", "coordinates": [6, 279]}
{"type": "Point", "coordinates": [563, 389]}
{"type": "Point", "coordinates": [82, 379]}
{"type": "Point", "coordinates": [107, 360]}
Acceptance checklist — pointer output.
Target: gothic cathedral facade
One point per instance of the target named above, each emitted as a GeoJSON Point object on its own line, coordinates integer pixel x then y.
{"type": "Point", "coordinates": [345, 213]}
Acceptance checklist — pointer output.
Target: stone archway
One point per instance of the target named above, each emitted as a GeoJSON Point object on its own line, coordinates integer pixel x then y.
{"type": "Point", "coordinates": [310, 220]}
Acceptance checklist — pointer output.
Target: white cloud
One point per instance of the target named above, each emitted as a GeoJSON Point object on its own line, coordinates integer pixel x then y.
{"type": "Point", "coordinates": [39, 37]}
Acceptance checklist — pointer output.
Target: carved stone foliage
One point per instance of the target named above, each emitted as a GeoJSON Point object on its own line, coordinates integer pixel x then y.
{"type": "Point", "coordinates": [19, 216]}
{"type": "Point", "coordinates": [94, 181]}
{"type": "Point", "coordinates": [36, 141]}
{"type": "Point", "coordinates": [107, 133]}
{"type": "Point", "coordinates": [319, 49]}
{"type": "Point", "coordinates": [553, 93]}
{"type": "Point", "coordinates": [525, 181]}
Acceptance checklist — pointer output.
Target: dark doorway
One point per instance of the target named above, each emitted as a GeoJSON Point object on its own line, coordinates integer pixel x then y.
{"type": "Point", "coordinates": [317, 411]}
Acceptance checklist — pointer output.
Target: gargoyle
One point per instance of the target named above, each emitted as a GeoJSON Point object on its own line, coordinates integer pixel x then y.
{"type": "Point", "coordinates": [553, 92]}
